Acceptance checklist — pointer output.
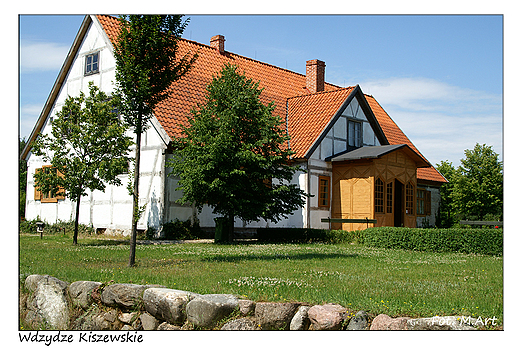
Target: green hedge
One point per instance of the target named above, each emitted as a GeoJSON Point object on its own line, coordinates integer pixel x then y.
{"type": "Point", "coordinates": [305, 235]}
{"type": "Point", "coordinates": [178, 230]}
{"type": "Point", "coordinates": [472, 240]}
{"type": "Point", "coordinates": [29, 227]}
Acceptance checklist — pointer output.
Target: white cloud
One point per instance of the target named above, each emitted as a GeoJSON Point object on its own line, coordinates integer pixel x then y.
{"type": "Point", "coordinates": [42, 56]}
{"type": "Point", "coordinates": [442, 120]}
{"type": "Point", "coordinates": [28, 116]}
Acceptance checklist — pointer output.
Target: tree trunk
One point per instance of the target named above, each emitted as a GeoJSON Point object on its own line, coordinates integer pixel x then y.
{"type": "Point", "coordinates": [135, 211]}
{"type": "Point", "coordinates": [75, 236]}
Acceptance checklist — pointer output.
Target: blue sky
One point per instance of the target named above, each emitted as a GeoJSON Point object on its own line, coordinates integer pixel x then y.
{"type": "Point", "coordinates": [440, 77]}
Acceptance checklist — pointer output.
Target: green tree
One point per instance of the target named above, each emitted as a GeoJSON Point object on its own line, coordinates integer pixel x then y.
{"type": "Point", "coordinates": [87, 148]}
{"type": "Point", "coordinates": [478, 185]}
{"type": "Point", "coordinates": [234, 156]}
{"type": "Point", "coordinates": [446, 216]}
{"type": "Point", "coordinates": [22, 170]}
{"type": "Point", "coordinates": [146, 66]}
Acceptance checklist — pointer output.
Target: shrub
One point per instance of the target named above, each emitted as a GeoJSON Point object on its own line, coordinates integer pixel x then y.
{"type": "Point", "coordinates": [28, 227]}
{"type": "Point", "coordinates": [478, 241]}
{"type": "Point", "coordinates": [305, 235]}
{"type": "Point", "coordinates": [178, 230]}
{"type": "Point", "coordinates": [62, 227]}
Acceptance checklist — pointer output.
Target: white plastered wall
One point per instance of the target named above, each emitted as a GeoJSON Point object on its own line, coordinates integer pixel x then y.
{"type": "Point", "coordinates": [111, 209]}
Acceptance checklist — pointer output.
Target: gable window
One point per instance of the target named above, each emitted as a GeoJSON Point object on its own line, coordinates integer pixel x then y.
{"type": "Point", "coordinates": [379, 196]}
{"type": "Point", "coordinates": [424, 202]}
{"type": "Point", "coordinates": [48, 196]}
{"type": "Point", "coordinates": [324, 191]}
{"type": "Point", "coordinates": [92, 63]}
{"type": "Point", "coordinates": [354, 134]}
{"type": "Point", "coordinates": [409, 198]}
{"type": "Point", "coordinates": [389, 197]}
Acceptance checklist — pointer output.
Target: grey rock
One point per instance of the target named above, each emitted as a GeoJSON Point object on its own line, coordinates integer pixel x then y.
{"type": "Point", "coordinates": [51, 303]}
{"type": "Point", "coordinates": [127, 318]}
{"type": "Point", "coordinates": [123, 295]}
{"type": "Point", "coordinates": [359, 322]}
{"type": "Point", "coordinates": [275, 316]}
{"type": "Point", "coordinates": [34, 318]}
{"type": "Point", "coordinates": [206, 310]}
{"type": "Point", "coordinates": [148, 322]}
{"type": "Point", "coordinates": [168, 327]}
{"type": "Point", "coordinates": [81, 292]}
{"type": "Point", "coordinates": [167, 304]}
{"type": "Point", "coordinates": [127, 328]}
{"type": "Point", "coordinates": [385, 322]}
{"type": "Point", "coordinates": [300, 321]}
{"type": "Point", "coordinates": [246, 307]}
{"type": "Point", "coordinates": [242, 324]}
{"type": "Point", "coordinates": [327, 317]}
{"type": "Point", "coordinates": [31, 282]}
{"type": "Point", "coordinates": [99, 323]}
{"type": "Point", "coordinates": [111, 316]}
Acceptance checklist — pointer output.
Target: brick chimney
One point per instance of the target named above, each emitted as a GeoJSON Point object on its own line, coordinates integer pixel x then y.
{"type": "Point", "coordinates": [315, 74]}
{"type": "Point", "coordinates": [217, 42]}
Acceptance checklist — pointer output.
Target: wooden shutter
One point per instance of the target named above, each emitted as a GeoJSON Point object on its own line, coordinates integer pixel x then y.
{"type": "Point", "coordinates": [60, 195]}
{"type": "Point", "coordinates": [37, 193]}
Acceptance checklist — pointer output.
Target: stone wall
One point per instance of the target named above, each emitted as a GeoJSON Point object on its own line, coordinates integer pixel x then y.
{"type": "Point", "coordinates": [50, 303]}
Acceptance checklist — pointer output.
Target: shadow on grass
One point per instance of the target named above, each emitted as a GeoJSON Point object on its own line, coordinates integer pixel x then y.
{"type": "Point", "coordinates": [103, 242]}
{"type": "Point", "coordinates": [296, 256]}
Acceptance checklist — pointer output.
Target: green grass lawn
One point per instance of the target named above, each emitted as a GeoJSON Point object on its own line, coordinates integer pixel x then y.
{"type": "Point", "coordinates": [394, 282]}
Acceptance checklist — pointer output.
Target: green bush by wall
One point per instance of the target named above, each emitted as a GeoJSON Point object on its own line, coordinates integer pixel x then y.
{"type": "Point", "coordinates": [472, 240]}
{"type": "Point", "coordinates": [305, 235]}
{"type": "Point", "coordinates": [61, 227]}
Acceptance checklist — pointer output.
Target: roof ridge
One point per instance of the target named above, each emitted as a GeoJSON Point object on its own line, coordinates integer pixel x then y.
{"type": "Point", "coordinates": [323, 92]}
{"type": "Point", "coordinates": [239, 55]}
{"type": "Point", "coordinates": [256, 61]}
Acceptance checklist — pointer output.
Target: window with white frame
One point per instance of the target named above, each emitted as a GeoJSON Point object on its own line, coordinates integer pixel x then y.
{"type": "Point", "coordinates": [92, 63]}
{"type": "Point", "coordinates": [354, 134]}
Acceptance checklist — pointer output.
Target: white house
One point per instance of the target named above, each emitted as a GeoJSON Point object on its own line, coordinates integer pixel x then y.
{"type": "Point", "coordinates": [358, 163]}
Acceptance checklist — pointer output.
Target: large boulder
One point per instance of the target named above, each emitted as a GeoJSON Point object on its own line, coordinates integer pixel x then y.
{"type": "Point", "coordinates": [359, 322]}
{"type": "Point", "coordinates": [167, 304]}
{"type": "Point", "coordinates": [51, 304]}
{"type": "Point", "coordinates": [327, 316]}
{"type": "Point", "coordinates": [81, 292]}
{"type": "Point", "coordinates": [206, 310]}
{"type": "Point", "coordinates": [300, 321]}
{"type": "Point", "coordinates": [123, 295]}
{"type": "Point", "coordinates": [242, 324]}
{"type": "Point", "coordinates": [31, 282]}
{"type": "Point", "coordinates": [246, 307]}
{"type": "Point", "coordinates": [275, 316]}
{"type": "Point", "coordinates": [385, 322]}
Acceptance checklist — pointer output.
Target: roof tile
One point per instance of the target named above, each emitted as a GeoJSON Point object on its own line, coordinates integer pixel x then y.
{"type": "Point", "coordinates": [307, 114]}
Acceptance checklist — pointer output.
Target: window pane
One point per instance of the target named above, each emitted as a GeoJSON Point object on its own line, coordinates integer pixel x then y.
{"type": "Point", "coordinates": [379, 196]}
{"type": "Point", "coordinates": [389, 198]}
{"type": "Point", "coordinates": [323, 194]}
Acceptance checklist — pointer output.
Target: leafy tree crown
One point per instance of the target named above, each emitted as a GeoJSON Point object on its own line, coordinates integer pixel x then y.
{"type": "Point", "coordinates": [234, 155]}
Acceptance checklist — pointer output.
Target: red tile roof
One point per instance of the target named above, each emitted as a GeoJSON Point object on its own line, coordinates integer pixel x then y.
{"type": "Point", "coordinates": [307, 115]}
{"type": "Point", "coordinates": [278, 83]}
